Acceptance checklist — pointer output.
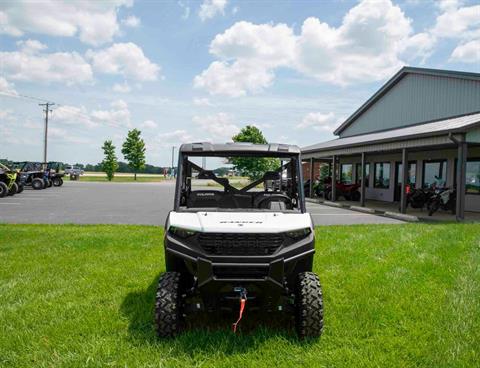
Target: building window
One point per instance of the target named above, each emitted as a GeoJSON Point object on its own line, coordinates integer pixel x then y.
{"type": "Point", "coordinates": [359, 174]}
{"type": "Point", "coordinates": [435, 174]}
{"type": "Point", "coordinates": [412, 173]}
{"type": "Point", "coordinates": [347, 173]}
{"type": "Point", "coordinates": [382, 175]}
{"type": "Point", "coordinates": [473, 176]}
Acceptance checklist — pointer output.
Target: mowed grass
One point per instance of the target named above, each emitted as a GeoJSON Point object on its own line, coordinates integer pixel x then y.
{"type": "Point", "coordinates": [395, 296]}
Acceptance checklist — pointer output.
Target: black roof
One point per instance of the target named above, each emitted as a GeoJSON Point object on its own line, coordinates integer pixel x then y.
{"type": "Point", "coordinates": [238, 148]}
{"type": "Point", "coordinates": [394, 80]}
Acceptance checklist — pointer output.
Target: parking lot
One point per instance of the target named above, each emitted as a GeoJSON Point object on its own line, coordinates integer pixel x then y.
{"type": "Point", "coordinates": [128, 203]}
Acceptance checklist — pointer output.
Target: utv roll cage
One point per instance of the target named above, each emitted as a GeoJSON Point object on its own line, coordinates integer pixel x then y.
{"type": "Point", "coordinates": [288, 196]}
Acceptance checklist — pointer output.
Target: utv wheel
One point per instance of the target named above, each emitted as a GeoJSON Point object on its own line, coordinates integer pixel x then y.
{"type": "Point", "coordinates": [355, 196]}
{"type": "Point", "coordinates": [20, 188]}
{"type": "Point", "coordinates": [13, 189]}
{"type": "Point", "coordinates": [57, 182]}
{"type": "Point", "coordinates": [168, 305]}
{"type": "Point", "coordinates": [37, 183]}
{"type": "Point", "coordinates": [3, 189]}
{"type": "Point", "coordinates": [308, 305]}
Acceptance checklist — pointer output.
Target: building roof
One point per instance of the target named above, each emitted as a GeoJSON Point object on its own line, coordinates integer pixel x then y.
{"type": "Point", "coordinates": [212, 149]}
{"type": "Point", "coordinates": [450, 125]}
{"type": "Point", "coordinates": [394, 80]}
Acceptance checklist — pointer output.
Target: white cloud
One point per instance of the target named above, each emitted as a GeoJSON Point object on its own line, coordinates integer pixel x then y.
{"type": "Point", "coordinates": [6, 87]}
{"type": "Point", "coordinates": [131, 21]}
{"type": "Point", "coordinates": [31, 64]}
{"type": "Point", "coordinates": [95, 22]}
{"type": "Point", "coordinates": [173, 138]}
{"type": "Point", "coordinates": [202, 102]}
{"type": "Point", "coordinates": [118, 115]}
{"type": "Point", "coordinates": [73, 115]}
{"type": "Point", "coordinates": [66, 136]}
{"type": "Point", "coordinates": [256, 49]}
{"type": "Point", "coordinates": [125, 59]}
{"type": "Point", "coordinates": [210, 8]}
{"type": "Point", "coordinates": [149, 124]}
{"type": "Point", "coordinates": [220, 126]}
{"type": "Point", "coordinates": [458, 22]}
{"type": "Point", "coordinates": [373, 41]}
{"type": "Point", "coordinates": [467, 53]}
{"type": "Point", "coordinates": [121, 87]}
{"type": "Point", "coordinates": [186, 10]}
{"type": "Point", "coordinates": [319, 122]}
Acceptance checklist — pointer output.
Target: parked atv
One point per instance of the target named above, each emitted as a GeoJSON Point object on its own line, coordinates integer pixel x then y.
{"type": "Point", "coordinates": [239, 250]}
{"type": "Point", "coordinates": [56, 176]}
{"type": "Point", "coordinates": [9, 182]}
{"type": "Point", "coordinates": [348, 191]}
{"type": "Point", "coordinates": [30, 174]}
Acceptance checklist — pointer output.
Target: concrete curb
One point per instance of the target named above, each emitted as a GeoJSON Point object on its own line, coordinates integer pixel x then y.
{"type": "Point", "coordinates": [401, 216]}
{"type": "Point", "coordinates": [394, 215]}
{"type": "Point", "coordinates": [363, 209]}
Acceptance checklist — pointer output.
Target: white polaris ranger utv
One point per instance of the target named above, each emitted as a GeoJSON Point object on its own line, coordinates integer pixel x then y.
{"type": "Point", "coordinates": [226, 245]}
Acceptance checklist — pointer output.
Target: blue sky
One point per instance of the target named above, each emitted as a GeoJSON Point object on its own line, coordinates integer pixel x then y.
{"type": "Point", "coordinates": [200, 70]}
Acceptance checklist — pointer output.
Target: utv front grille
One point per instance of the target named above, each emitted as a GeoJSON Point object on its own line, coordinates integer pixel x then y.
{"type": "Point", "coordinates": [227, 244]}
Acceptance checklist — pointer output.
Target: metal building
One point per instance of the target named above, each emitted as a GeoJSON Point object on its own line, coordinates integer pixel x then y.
{"type": "Point", "coordinates": [421, 128]}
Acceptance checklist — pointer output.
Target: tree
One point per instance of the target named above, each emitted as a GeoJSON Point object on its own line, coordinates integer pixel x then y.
{"type": "Point", "coordinates": [133, 149]}
{"type": "Point", "coordinates": [253, 167]}
{"type": "Point", "coordinates": [109, 163]}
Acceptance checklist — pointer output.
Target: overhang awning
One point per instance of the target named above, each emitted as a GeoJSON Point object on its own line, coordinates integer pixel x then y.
{"type": "Point", "coordinates": [426, 134]}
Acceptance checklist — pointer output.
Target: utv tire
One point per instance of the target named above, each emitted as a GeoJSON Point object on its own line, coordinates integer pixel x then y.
{"type": "Point", "coordinates": [37, 183]}
{"type": "Point", "coordinates": [355, 196]}
{"type": "Point", "coordinates": [13, 189]}
{"type": "Point", "coordinates": [20, 188]}
{"type": "Point", "coordinates": [3, 189]}
{"type": "Point", "coordinates": [57, 182]}
{"type": "Point", "coordinates": [308, 306]}
{"type": "Point", "coordinates": [169, 305]}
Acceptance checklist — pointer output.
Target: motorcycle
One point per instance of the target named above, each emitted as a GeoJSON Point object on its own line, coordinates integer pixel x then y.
{"type": "Point", "coordinates": [444, 199]}
{"type": "Point", "coordinates": [418, 198]}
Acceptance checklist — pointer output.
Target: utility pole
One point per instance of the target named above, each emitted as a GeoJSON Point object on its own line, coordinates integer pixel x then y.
{"type": "Point", "coordinates": [45, 141]}
{"type": "Point", "coordinates": [173, 154]}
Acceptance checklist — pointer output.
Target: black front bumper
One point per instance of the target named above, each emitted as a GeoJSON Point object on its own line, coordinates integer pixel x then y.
{"type": "Point", "coordinates": [220, 273]}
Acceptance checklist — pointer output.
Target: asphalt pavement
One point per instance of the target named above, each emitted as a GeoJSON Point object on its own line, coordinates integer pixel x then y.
{"type": "Point", "coordinates": [129, 203]}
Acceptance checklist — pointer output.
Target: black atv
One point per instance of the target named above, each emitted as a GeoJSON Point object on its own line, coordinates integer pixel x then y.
{"type": "Point", "coordinates": [10, 183]}
{"type": "Point", "coordinates": [237, 249]}
{"type": "Point", "coordinates": [31, 174]}
{"type": "Point", "coordinates": [56, 173]}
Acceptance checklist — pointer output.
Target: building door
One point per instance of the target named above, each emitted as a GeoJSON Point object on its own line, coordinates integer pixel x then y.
{"type": "Point", "coordinates": [412, 179]}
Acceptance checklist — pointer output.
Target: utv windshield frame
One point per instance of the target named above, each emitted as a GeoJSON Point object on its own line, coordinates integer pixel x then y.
{"type": "Point", "coordinates": [295, 188]}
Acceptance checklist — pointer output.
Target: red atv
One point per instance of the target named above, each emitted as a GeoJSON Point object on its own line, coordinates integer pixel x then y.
{"type": "Point", "coordinates": [348, 191]}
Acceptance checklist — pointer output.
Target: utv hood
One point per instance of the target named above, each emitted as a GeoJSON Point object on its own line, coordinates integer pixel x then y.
{"type": "Point", "coordinates": [239, 222]}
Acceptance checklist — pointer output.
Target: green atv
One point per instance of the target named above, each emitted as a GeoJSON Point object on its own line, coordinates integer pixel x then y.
{"type": "Point", "coordinates": [9, 182]}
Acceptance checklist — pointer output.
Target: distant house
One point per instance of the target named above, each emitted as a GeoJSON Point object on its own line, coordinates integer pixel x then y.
{"type": "Point", "coordinates": [425, 120]}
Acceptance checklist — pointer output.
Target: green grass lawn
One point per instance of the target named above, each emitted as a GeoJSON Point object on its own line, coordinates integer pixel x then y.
{"type": "Point", "coordinates": [395, 296]}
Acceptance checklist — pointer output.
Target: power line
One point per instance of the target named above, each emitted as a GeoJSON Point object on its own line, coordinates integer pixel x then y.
{"type": "Point", "coordinates": [18, 95]}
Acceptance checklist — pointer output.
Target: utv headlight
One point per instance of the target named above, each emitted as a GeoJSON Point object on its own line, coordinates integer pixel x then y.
{"type": "Point", "coordinates": [181, 233]}
{"type": "Point", "coordinates": [297, 235]}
